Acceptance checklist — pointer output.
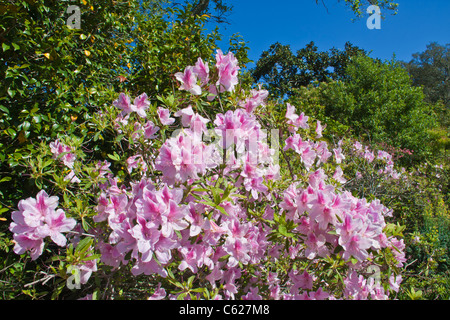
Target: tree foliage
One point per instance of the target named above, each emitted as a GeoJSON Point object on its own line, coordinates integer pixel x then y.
{"type": "Point", "coordinates": [282, 71]}
{"type": "Point", "coordinates": [379, 102]}
{"type": "Point", "coordinates": [359, 6]}
{"type": "Point", "coordinates": [431, 70]}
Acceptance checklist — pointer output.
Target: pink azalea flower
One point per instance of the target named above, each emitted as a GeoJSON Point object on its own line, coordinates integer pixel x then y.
{"type": "Point", "coordinates": [394, 282]}
{"type": "Point", "coordinates": [357, 146]}
{"type": "Point", "coordinates": [72, 178]}
{"type": "Point", "coordinates": [196, 219]}
{"type": "Point", "coordinates": [55, 224]}
{"type": "Point", "coordinates": [32, 212]}
{"type": "Point", "coordinates": [30, 242]}
{"type": "Point", "coordinates": [184, 157]}
{"type": "Point", "coordinates": [355, 245]}
{"type": "Point", "coordinates": [303, 281]}
{"type": "Point", "coordinates": [368, 155]}
{"type": "Point", "coordinates": [339, 175]}
{"type": "Point", "coordinates": [63, 152]}
{"type": "Point", "coordinates": [150, 129]}
{"type": "Point", "coordinates": [296, 143]}
{"type": "Point", "coordinates": [308, 156]}
{"type": "Point", "coordinates": [212, 92]}
{"type": "Point", "coordinates": [290, 112]}
{"type": "Point", "coordinates": [319, 295]}
{"type": "Point", "coordinates": [148, 268]}
{"type": "Point", "coordinates": [147, 235]}
{"type": "Point", "coordinates": [173, 219]}
{"type": "Point", "coordinates": [319, 129]}
{"type": "Point", "coordinates": [322, 151]}
{"type": "Point", "coordinates": [164, 116]}
{"type": "Point", "coordinates": [254, 185]}
{"type": "Point", "coordinates": [295, 121]}
{"type": "Point", "coordinates": [135, 162]}
{"type": "Point", "coordinates": [202, 71]}
{"type": "Point", "coordinates": [186, 115]}
{"type": "Point", "coordinates": [188, 80]}
{"type": "Point", "coordinates": [316, 177]}
{"type": "Point", "coordinates": [322, 209]}
{"type": "Point", "coordinates": [252, 294]}
{"type": "Point", "coordinates": [123, 103]}
{"type": "Point", "coordinates": [238, 249]}
{"type": "Point", "coordinates": [255, 100]}
{"type": "Point", "coordinates": [315, 244]}
{"type": "Point", "coordinates": [35, 220]}
{"type": "Point", "coordinates": [338, 155]}
{"type": "Point", "coordinates": [103, 168]}
{"type": "Point", "coordinates": [86, 269]}
{"type": "Point", "coordinates": [110, 254]}
{"type": "Point", "coordinates": [192, 258]}
{"type": "Point", "coordinates": [227, 67]}
{"type": "Point", "coordinates": [141, 104]}
{"type": "Point", "coordinates": [159, 293]}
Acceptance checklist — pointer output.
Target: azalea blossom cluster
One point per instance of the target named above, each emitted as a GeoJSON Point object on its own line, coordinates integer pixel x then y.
{"type": "Point", "coordinates": [327, 220]}
{"type": "Point", "coordinates": [249, 159]}
{"type": "Point", "coordinates": [155, 227]}
{"type": "Point", "coordinates": [185, 155]}
{"type": "Point", "coordinates": [36, 219]}
{"type": "Point", "coordinates": [195, 77]}
{"type": "Point", "coordinates": [364, 152]}
{"type": "Point", "coordinates": [66, 155]}
{"type": "Point", "coordinates": [213, 205]}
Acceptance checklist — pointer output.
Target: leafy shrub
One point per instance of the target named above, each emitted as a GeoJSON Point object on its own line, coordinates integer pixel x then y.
{"type": "Point", "coordinates": [180, 217]}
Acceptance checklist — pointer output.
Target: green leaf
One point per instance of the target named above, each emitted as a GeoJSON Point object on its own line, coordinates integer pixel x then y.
{"type": "Point", "coordinates": [83, 245]}
{"type": "Point", "coordinates": [114, 156]}
{"type": "Point", "coordinates": [92, 257]}
{"type": "Point", "coordinates": [190, 280]}
{"type": "Point", "coordinates": [11, 92]}
{"type": "Point", "coordinates": [282, 229]}
{"type": "Point", "coordinates": [5, 179]}
{"type": "Point", "coordinates": [3, 210]}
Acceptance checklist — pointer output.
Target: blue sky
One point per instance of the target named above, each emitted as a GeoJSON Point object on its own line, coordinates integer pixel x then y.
{"type": "Point", "coordinates": [297, 22]}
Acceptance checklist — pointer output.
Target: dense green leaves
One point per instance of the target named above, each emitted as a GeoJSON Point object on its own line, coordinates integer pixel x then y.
{"type": "Point", "coordinates": [380, 104]}
{"type": "Point", "coordinates": [283, 71]}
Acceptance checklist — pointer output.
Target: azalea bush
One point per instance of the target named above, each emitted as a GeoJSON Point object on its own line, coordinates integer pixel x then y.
{"type": "Point", "coordinates": [211, 192]}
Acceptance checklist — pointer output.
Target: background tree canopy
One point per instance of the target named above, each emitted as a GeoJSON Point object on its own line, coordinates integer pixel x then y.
{"type": "Point", "coordinates": [431, 71]}
{"type": "Point", "coordinates": [281, 71]}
